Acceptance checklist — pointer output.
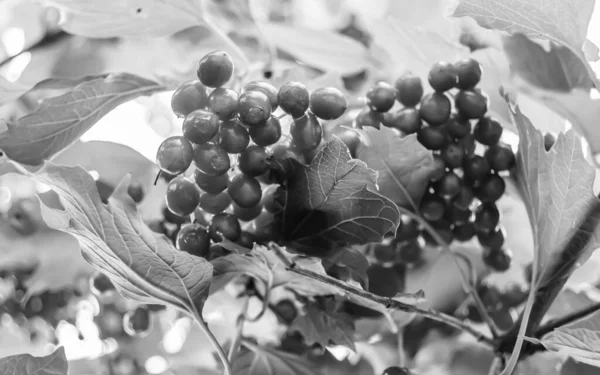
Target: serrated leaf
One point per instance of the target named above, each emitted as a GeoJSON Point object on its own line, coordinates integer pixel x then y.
{"type": "Point", "coordinates": [262, 360]}
{"type": "Point", "coordinates": [25, 364]}
{"type": "Point", "coordinates": [61, 120]}
{"type": "Point", "coordinates": [333, 203]}
{"type": "Point", "coordinates": [403, 165]}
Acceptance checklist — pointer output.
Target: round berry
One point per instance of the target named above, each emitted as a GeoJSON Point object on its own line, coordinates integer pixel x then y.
{"type": "Point", "coordinates": [432, 207]}
{"type": "Point", "coordinates": [432, 138]}
{"type": "Point", "coordinates": [498, 260]}
{"type": "Point", "coordinates": [233, 136]}
{"type": "Point", "coordinates": [491, 189]}
{"type": "Point", "coordinates": [381, 97]}
{"type": "Point", "coordinates": [174, 155]}
{"type": "Point", "coordinates": [366, 117]}
{"type": "Point", "coordinates": [549, 141]}
{"type": "Point", "coordinates": [464, 232]}
{"type": "Point", "coordinates": [226, 225]}
{"type": "Point", "coordinates": [246, 240]}
{"type": "Point", "coordinates": [351, 139]}
{"type": "Point", "coordinates": [384, 253]}
{"type": "Point", "coordinates": [469, 73]}
{"type": "Point", "coordinates": [193, 239]}
{"type": "Point", "coordinates": [464, 198]}
{"type": "Point", "coordinates": [244, 190]}
{"type": "Point", "coordinates": [253, 161]}
{"type": "Point", "coordinates": [254, 108]}
{"type": "Point", "coordinates": [438, 170]}
{"type": "Point", "coordinates": [189, 96]}
{"type": "Point", "coordinates": [135, 190]}
{"type": "Point", "coordinates": [215, 69]}
{"type": "Point", "coordinates": [183, 196]}
{"type": "Point", "coordinates": [493, 240]}
{"type": "Point", "coordinates": [212, 159]}
{"type": "Point", "coordinates": [449, 185]}
{"type": "Point", "coordinates": [293, 98]}
{"type": "Point", "coordinates": [500, 157]}
{"type": "Point", "coordinates": [223, 102]}
{"type": "Point", "coordinates": [101, 284]}
{"type": "Point", "coordinates": [476, 167]}
{"type": "Point", "coordinates": [407, 120]}
{"type": "Point", "coordinates": [409, 90]}
{"type": "Point", "coordinates": [487, 131]}
{"type": "Point", "coordinates": [200, 126]}
{"type": "Point", "coordinates": [395, 370]}
{"type": "Point", "coordinates": [214, 203]}
{"type": "Point", "coordinates": [471, 104]}
{"type": "Point", "coordinates": [469, 144]}
{"type": "Point", "coordinates": [408, 252]}
{"type": "Point", "coordinates": [328, 103]}
{"type": "Point", "coordinates": [407, 230]}
{"type": "Point", "coordinates": [443, 228]}
{"type": "Point", "coordinates": [266, 134]}
{"type": "Point", "coordinates": [457, 215]}
{"type": "Point", "coordinates": [266, 88]}
{"type": "Point", "coordinates": [457, 127]}
{"type": "Point", "coordinates": [435, 108]}
{"type": "Point", "coordinates": [487, 217]}
{"type": "Point", "coordinates": [306, 132]}
{"type": "Point", "coordinates": [137, 322]}
{"type": "Point", "coordinates": [442, 76]}
{"type": "Point", "coordinates": [210, 184]}
{"type": "Point", "coordinates": [286, 311]}
{"type": "Point", "coordinates": [172, 218]}
{"type": "Point", "coordinates": [246, 213]}
{"type": "Point", "coordinates": [453, 155]}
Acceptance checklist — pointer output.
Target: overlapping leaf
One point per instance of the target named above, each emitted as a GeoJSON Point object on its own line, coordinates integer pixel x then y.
{"type": "Point", "coordinates": [262, 360]}
{"type": "Point", "coordinates": [352, 259]}
{"type": "Point", "coordinates": [25, 364]}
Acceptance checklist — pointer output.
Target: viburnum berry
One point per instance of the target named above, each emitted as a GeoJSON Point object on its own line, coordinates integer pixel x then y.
{"type": "Point", "coordinates": [493, 240]}
{"type": "Point", "coordinates": [367, 117]}
{"type": "Point", "coordinates": [396, 370]}
{"type": "Point", "coordinates": [458, 127]}
{"type": "Point", "coordinates": [476, 167]}
{"type": "Point", "coordinates": [101, 284]}
{"type": "Point", "coordinates": [233, 136]}
{"type": "Point", "coordinates": [549, 141]}
{"type": "Point", "coordinates": [215, 69]}
{"type": "Point", "coordinates": [443, 228]}
{"type": "Point", "coordinates": [453, 154]}
{"type": "Point", "coordinates": [449, 185]}
{"type": "Point", "coordinates": [286, 310]}
{"type": "Point", "coordinates": [306, 132]}
{"type": "Point", "coordinates": [183, 196]}
{"type": "Point", "coordinates": [244, 190]}
{"type": "Point", "coordinates": [384, 253]}
{"type": "Point", "coordinates": [409, 252]}
{"type": "Point", "coordinates": [471, 104]}
{"type": "Point", "coordinates": [469, 73]}
{"type": "Point", "coordinates": [498, 260]}
{"type": "Point", "coordinates": [253, 161]}
{"type": "Point", "coordinates": [135, 190]}
{"type": "Point", "coordinates": [246, 213]}
{"type": "Point", "coordinates": [381, 97]}
{"type": "Point", "coordinates": [223, 102]}
{"type": "Point", "coordinates": [351, 139]}
{"type": "Point", "coordinates": [487, 217]}
{"type": "Point", "coordinates": [266, 88]}
{"type": "Point", "coordinates": [442, 76]}
{"type": "Point", "coordinates": [137, 322]}
{"type": "Point", "coordinates": [407, 230]}
{"type": "Point", "coordinates": [210, 184]}
{"type": "Point", "coordinates": [438, 170]}
{"type": "Point", "coordinates": [464, 198]}
{"type": "Point", "coordinates": [464, 232]}
{"type": "Point", "coordinates": [254, 108]}
{"type": "Point", "coordinates": [175, 155]}
{"type": "Point", "coordinates": [457, 215]}
{"type": "Point", "coordinates": [293, 98]}
{"type": "Point", "coordinates": [200, 126]}
{"type": "Point", "coordinates": [407, 120]}
{"type": "Point", "coordinates": [212, 159]}
{"type": "Point", "coordinates": [469, 144]}
{"type": "Point", "coordinates": [226, 225]}
{"type": "Point", "coordinates": [214, 203]}
{"type": "Point", "coordinates": [432, 138]}
{"type": "Point", "coordinates": [328, 103]}
{"type": "Point", "coordinates": [246, 240]}
{"type": "Point", "coordinates": [193, 239]}
{"type": "Point", "coordinates": [172, 218]}
{"type": "Point", "coordinates": [217, 251]}
{"type": "Point", "coordinates": [266, 134]}
{"type": "Point", "coordinates": [409, 90]}
{"type": "Point", "coordinates": [487, 131]}
{"type": "Point", "coordinates": [435, 108]}
{"type": "Point", "coordinates": [432, 207]}
{"type": "Point", "coordinates": [491, 188]}
{"type": "Point", "coordinates": [500, 157]}
{"type": "Point", "coordinates": [189, 96]}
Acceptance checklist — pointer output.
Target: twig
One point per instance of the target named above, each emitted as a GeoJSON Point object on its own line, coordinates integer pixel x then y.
{"type": "Point", "coordinates": [569, 318]}
{"type": "Point", "coordinates": [213, 340]}
{"type": "Point", "coordinates": [239, 328]}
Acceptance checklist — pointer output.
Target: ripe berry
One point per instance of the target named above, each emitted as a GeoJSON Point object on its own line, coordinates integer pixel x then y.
{"type": "Point", "coordinates": [183, 196]}
{"type": "Point", "coordinates": [435, 108]}
{"type": "Point", "coordinates": [549, 141]}
{"type": "Point", "coordinates": [246, 213]}
{"type": "Point", "coordinates": [351, 139]}
{"type": "Point", "coordinates": [457, 215]}
{"type": "Point", "coordinates": [174, 155]}
{"type": "Point", "coordinates": [212, 159]}
{"type": "Point", "coordinates": [101, 284]}
{"type": "Point", "coordinates": [500, 158]}
{"type": "Point", "coordinates": [193, 239]}
{"type": "Point", "coordinates": [487, 131]}
{"type": "Point", "coordinates": [443, 228]}
{"type": "Point", "coordinates": [233, 136]}
{"type": "Point", "coordinates": [407, 230]}
{"type": "Point", "coordinates": [172, 218]}
{"type": "Point", "coordinates": [464, 232]}
{"type": "Point", "coordinates": [210, 184]}
{"type": "Point", "coordinates": [395, 370]}
{"type": "Point", "coordinates": [328, 103]}
{"type": "Point", "coordinates": [253, 161]}
{"type": "Point", "coordinates": [464, 198]}
{"type": "Point", "coordinates": [471, 104]}
{"type": "Point", "coordinates": [487, 217]}
{"type": "Point", "coordinates": [293, 99]}
{"type": "Point", "coordinates": [432, 207]}
{"type": "Point", "coordinates": [366, 117]}
{"type": "Point", "coordinates": [432, 138]}
{"type": "Point", "coordinates": [498, 260]}
{"type": "Point", "coordinates": [226, 225]}
{"type": "Point", "coordinates": [453, 155]}
{"type": "Point", "coordinates": [306, 132]}
{"type": "Point", "coordinates": [469, 73]}
{"type": "Point", "coordinates": [409, 90]}
{"type": "Point", "coordinates": [135, 190]}
{"type": "Point", "coordinates": [223, 102]}
{"type": "Point", "coordinates": [409, 252]}
{"type": "Point", "coordinates": [384, 253]}
{"type": "Point", "coordinates": [200, 126]}
{"type": "Point", "coordinates": [244, 190]}
{"type": "Point", "coordinates": [137, 322]}
{"type": "Point", "coordinates": [439, 168]}
{"type": "Point", "coordinates": [267, 133]}
{"type": "Point", "coordinates": [491, 189]}
{"type": "Point", "coordinates": [215, 69]}
{"type": "Point", "coordinates": [246, 240]}
{"type": "Point", "coordinates": [442, 76]}
{"type": "Point", "coordinates": [266, 88]}
{"type": "Point", "coordinates": [189, 96]}
{"type": "Point", "coordinates": [457, 127]}
{"type": "Point", "coordinates": [469, 144]}
{"type": "Point", "coordinates": [449, 185]}
{"type": "Point", "coordinates": [254, 108]}
{"type": "Point", "coordinates": [476, 167]}
{"type": "Point", "coordinates": [407, 120]}
{"type": "Point", "coordinates": [286, 311]}
{"type": "Point", "coordinates": [381, 97]}
{"type": "Point", "coordinates": [215, 203]}
{"type": "Point", "coordinates": [493, 240]}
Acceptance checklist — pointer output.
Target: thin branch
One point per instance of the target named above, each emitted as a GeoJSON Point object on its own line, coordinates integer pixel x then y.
{"type": "Point", "coordinates": [567, 319]}
{"type": "Point", "coordinates": [213, 340]}
{"type": "Point", "coordinates": [239, 328]}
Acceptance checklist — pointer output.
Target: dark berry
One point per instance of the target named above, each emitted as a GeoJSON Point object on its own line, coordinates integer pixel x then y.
{"type": "Point", "coordinates": [432, 207]}
{"type": "Point", "coordinates": [384, 253]}
{"type": "Point", "coordinates": [381, 97]}
{"type": "Point", "coordinates": [500, 158]}
{"type": "Point", "coordinates": [233, 136]}
{"type": "Point", "coordinates": [469, 73]}
{"type": "Point", "coordinates": [453, 155]}
{"type": "Point", "coordinates": [174, 155]}
{"type": "Point", "coordinates": [366, 117]}
{"type": "Point", "coordinates": [409, 252]}
{"type": "Point", "coordinates": [183, 196]}
{"type": "Point", "coordinates": [443, 228]}
{"type": "Point", "coordinates": [491, 189]}
{"type": "Point", "coordinates": [476, 167]}
{"type": "Point", "coordinates": [226, 225]}
{"type": "Point", "coordinates": [223, 102]}
{"type": "Point", "coordinates": [293, 98]}
{"type": "Point", "coordinates": [457, 127]}
{"type": "Point", "coordinates": [471, 104]}
{"type": "Point", "coordinates": [487, 217]}
{"type": "Point", "coordinates": [487, 131]}
{"type": "Point", "coordinates": [407, 120]}
{"type": "Point", "coordinates": [200, 126]}
{"type": "Point", "coordinates": [254, 108]}
{"type": "Point", "coordinates": [135, 191]}
{"type": "Point", "coordinates": [215, 203]}
{"type": "Point", "coordinates": [549, 140]}
{"type": "Point", "coordinates": [438, 169]}
{"type": "Point", "coordinates": [246, 213]}
{"type": "Point", "coordinates": [351, 139]}
{"type": "Point", "coordinates": [328, 103]}
{"type": "Point", "coordinates": [306, 132]}
{"type": "Point", "coordinates": [435, 108]}
{"type": "Point", "coordinates": [442, 76]}
{"type": "Point", "coordinates": [253, 161]}
{"type": "Point", "coordinates": [395, 370]}
{"type": "Point", "coordinates": [493, 240]}
{"type": "Point", "coordinates": [217, 251]}
{"type": "Point", "coordinates": [469, 144]}
{"type": "Point", "coordinates": [193, 239]}
{"type": "Point", "coordinates": [244, 190]}
{"type": "Point", "coordinates": [409, 229]}
{"type": "Point", "coordinates": [212, 159]}
{"type": "Point", "coordinates": [498, 260]}
{"type": "Point", "coordinates": [210, 184]}
{"type": "Point", "coordinates": [432, 138]}
{"type": "Point", "coordinates": [137, 322]}
{"type": "Point", "coordinates": [449, 185]}
{"type": "Point", "coordinates": [266, 88]}
{"type": "Point", "coordinates": [409, 90]}
{"type": "Point", "coordinates": [101, 284]}
{"type": "Point", "coordinates": [266, 134]}
{"type": "Point", "coordinates": [246, 240]}
{"type": "Point", "coordinates": [457, 215]}
{"type": "Point", "coordinates": [189, 96]}
{"type": "Point", "coordinates": [286, 311]}
{"type": "Point", "coordinates": [464, 198]}
{"type": "Point", "coordinates": [172, 218]}
{"type": "Point", "coordinates": [215, 69]}
{"type": "Point", "coordinates": [464, 232]}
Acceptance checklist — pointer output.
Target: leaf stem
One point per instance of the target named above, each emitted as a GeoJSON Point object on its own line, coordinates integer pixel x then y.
{"type": "Point", "coordinates": [567, 319]}
{"type": "Point", "coordinates": [213, 340]}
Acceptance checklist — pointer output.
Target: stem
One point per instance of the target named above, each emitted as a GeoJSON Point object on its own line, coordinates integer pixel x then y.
{"type": "Point", "coordinates": [213, 340]}
{"type": "Point", "coordinates": [559, 322]}
{"type": "Point", "coordinates": [265, 300]}
{"type": "Point", "coordinates": [239, 328]}
{"type": "Point", "coordinates": [267, 42]}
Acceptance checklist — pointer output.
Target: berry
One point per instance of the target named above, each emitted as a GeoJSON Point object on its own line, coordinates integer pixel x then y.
{"type": "Point", "coordinates": [432, 207]}
{"type": "Point", "coordinates": [233, 136]}
{"type": "Point", "coordinates": [549, 141]}
{"type": "Point", "coordinates": [328, 103]}
{"type": "Point", "coordinates": [215, 69]}
{"type": "Point", "coordinates": [471, 104]}
{"type": "Point", "coordinates": [101, 284]}
{"type": "Point", "coordinates": [384, 253]}
{"type": "Point", "coordinates": [246, 240]}
{"type": "Point", "coordinates": [468, 143]}
{"type": "Point", "coordinates": [432, 138]}
{"type": "Point", "coordinates": [476, 167]}
{"type": "Point", "coordinates": [487, 131]}
{"type": "Point", "coordinates": [464, 232]}
{"type": "Point", "coordinates": [457, 215]}
{"type": "Point", "coordinates": [395, 370]}
{"type": "Point", "coordinates": [464, 198]}
{"type": "Point", "coordinates": [487, 217]}
{"type": "Point", "coordinates": [135, 190]}
{"type": "Point", "coordinates": [269, 201]}
{"type": "Point", "coordinates": [457, 127]}
{"type": "Point", "coordinates": [409, 229]}
{"type": "Point", "coordinates": [409, 90]}
{"type": "Point", "coordinates": [381, 97]}
{"type": "Point", "coordinates": [253, 161]}
{"type": "Point", "coordinates": [409, 252]}
{"type": "Point", "coordinates": [469, 73]}
{"type": "Point", "coordinates": [493, 240]}
{"type": "Point", "coordinates": [435, 108]}
{"type": "Point", "coordinates": [223, 102]}
{"type": "Point", "coordinates": [173, 218]}
{"type": "Point", "coordinates": [246, 214]}
{"type": "Point", "coordinates": [438, 170]}
{"type": "Point", "coordinates": [500, 158]}
{"type": "Point", "coordinates": [407, 120]}
{"type": "Point", "coordinates": [498, 260]}
{"type": "Point", "coordinates": [293, 99]}
{"type": "Point", "coordinates": [443, 228]}
{"type": "Point", "coordinates": [442, 76]}
{"type": "Point", "coordinates": [244, 190]}
{"type": "Point", "coordinates": [200, 126]}
{"type": "Point", "coordinates": [449, 185]}
{"type": "Point", "coordinates": [267, 133]}
{"type": "Point", "coordinates": [210, 184]}
{"type": "Point", "coordinates": [351, 139]}
{"type": "Point", "coordinates": [215, 203]}
{"type": "Point", "coordinates": [254, 108]}
{"type": "Point", "coordinates": [266, 88]}
{"type": "Point", "coordinates": [137, 322]}
{"type": "Point", "coordinates": [453, 155]}
{"type": "Point", "coordinates": [366, 117]}
{"type": "Point", "coordinates": [491, 189]}
{"type": "Point", "coordinates": [193, 239]}
{"type": "Point", "coordinates": [286, 311]}
{"type": "Point", "coordinates": [174, 155]}
{"type": "Point", "coordinates": [189, 96]}
{"type": "Point", "coordinates": [212, 159]}
{"type": "Point", "coordinates": [306, 132]}
{"type": "Point", "coordinates": [226, 225]}
{"type": "Point", "coordinates": [183, 196]}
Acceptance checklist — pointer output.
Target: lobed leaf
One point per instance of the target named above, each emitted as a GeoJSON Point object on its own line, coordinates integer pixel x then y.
{"type": "Point", "coordinates": [24, 364]}
{"type": "Point", "coordinates": [262, 360]}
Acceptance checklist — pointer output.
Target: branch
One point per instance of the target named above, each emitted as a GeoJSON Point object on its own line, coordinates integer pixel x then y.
{"type": "Point", "coordinates": [239, 328]}
{"type": "Point", "coordinates": [569, 318]}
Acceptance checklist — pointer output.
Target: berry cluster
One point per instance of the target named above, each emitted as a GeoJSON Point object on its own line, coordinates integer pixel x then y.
{"type": "Point", "coordinates": [232, 139]}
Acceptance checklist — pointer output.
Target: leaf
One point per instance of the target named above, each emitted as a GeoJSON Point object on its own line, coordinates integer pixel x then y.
{"type": "Point", "coordinates": [571, 367]}
{"type": "Point", "coordinates": [59, 121]}
{"type": "Point", "coordinates": [332, 203]}
{"type": "Point", "coordinates": [572, 300]}
{"type": "Point", "coordinates": [324, 325]}
{"type": "Point", "coordinates": [352, 259]}
{"type": "Point", "coordinates": [403, 165]}
{"type": "Point", "coordinates": [262, 360]}
{"type": "Point", "coordinates": [25, 364]}
{"type": "Point", "coordinates": [333, 52]}
{"type": "Point", "coordinates": [10, 90]}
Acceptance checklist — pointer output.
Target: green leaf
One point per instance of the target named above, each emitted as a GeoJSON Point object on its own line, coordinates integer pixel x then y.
{"type": "Point", "coordinates": [263, 360]}
{"type": "Point", "coordinates": [58, 121]}
{"type": "Point", "coordinates": [403, 165]}
{"type": "Point", "coordinates": [333, 203]}
{"type": "Point", "coordinates": [324, 325]}
{"type": "Point", "coordinates": [353, 260]}
{"type": "Point", "coordinates": [25, 364]}
{"type": "Point", "coordinates": [332, 53]}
